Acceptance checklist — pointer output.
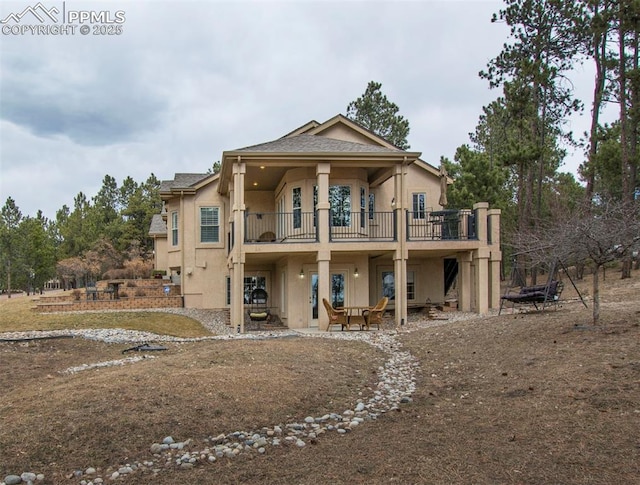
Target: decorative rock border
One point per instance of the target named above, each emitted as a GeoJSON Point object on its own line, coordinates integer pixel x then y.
{"type": "Point", "coordinates": [395, 386]}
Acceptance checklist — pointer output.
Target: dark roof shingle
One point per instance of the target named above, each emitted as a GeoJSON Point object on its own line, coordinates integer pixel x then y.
{"type": "Point", "coordinates": [315, 144]}
{"type": "Point", "coordinates": [182, 181]}
{"type": "Point", "coordinates": [158, 226]}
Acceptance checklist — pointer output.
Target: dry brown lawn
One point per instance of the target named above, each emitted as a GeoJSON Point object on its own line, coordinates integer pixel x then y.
{"type": "Point", "coordinates": [536, 398]}
{"type": "Point", "coordinates": [17, 315]}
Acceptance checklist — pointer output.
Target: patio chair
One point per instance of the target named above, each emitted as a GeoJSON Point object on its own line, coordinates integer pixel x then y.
{"type": "Point", "coordinates": [336, 317]}
{"type": "Point", "coordinates": [374, 315]}
{"type": "Point", "coordinates": [259, 311]}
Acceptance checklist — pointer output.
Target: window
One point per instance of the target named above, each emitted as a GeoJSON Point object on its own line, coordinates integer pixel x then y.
{"type": "Point", "coordinates": [174, 228]}
{"type": "Point", "coordinates": [209, 224]}
{"type": "Point", "coordinates": [363, 206]}
{"type": "Point", "coordinates": [228, 286]}
{"type": "Point", "coordinates": [250, 284]}
{"type": "Point", "coordinates": [411, 286]}
{"type": "Point", "coordinates": [340, 200]}
{"type": "Point", "coordinates": [297, 207]}
{"type": "Point", "coordinates": [389, 287]}
{"type": "Point", "coordinates": [372, 204]}
{"type": "Point", "coordinates": [419, 205]}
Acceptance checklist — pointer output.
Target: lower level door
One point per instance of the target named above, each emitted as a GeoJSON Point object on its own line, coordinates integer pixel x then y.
{"type": "Point", "coordinates": [338, 291]}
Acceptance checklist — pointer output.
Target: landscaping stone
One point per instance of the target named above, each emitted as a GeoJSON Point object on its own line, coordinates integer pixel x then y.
{"type": "Point", "coordinates": [396, 385]}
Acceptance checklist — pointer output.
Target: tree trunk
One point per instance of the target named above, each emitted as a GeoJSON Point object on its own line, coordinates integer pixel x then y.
{"type": "Point", "coordinates": [599, 56]}
{"type": "Point", "coordinates": [596, 296]}
{"type": "Point", "coordinates": [628, 185]}
{"type": "Point", "coordinates": [9, 278]}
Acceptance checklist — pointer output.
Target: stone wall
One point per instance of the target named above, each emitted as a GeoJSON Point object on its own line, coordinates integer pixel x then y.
{"type": "Point", "coordinates": [127, 303]}
{"type": "Point", "coordinates": [134, 295]}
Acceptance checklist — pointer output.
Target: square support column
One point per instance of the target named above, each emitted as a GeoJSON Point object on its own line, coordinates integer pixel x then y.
{"type": "Point", "coordinates": [323, 259]}
{"type": "Point", "coordinates": [495, 259]}
{"type": "Point", "coordinates": [238, 257]}
{"type": "Point", "coordinates": [481, 283]}
{"type": "Point", "coordinates": [464, 282]}
{"type": "Point", "coordinates": [323, 207]}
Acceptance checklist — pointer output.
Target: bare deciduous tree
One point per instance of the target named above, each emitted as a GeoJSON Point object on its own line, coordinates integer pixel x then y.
{"type": "Point", "coordinates": [592, 234]}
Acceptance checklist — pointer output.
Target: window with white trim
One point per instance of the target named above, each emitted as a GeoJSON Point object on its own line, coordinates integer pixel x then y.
{"type": "Point", "coordinates": [389, 287]}
{"type": "Point", "coordinates": [209, 224]}
{"type": "Point", "coordinates": [251, 283]}
{"type": "Point", "coordinates": [411, 286]}
{"type": "Point", "coordinates": [174, 228]}
{"type": "Point", "coordinates": [419, 205]}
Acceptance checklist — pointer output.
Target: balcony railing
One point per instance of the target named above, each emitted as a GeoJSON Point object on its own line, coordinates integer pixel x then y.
{"type": "Point", "coordinates": [364, 226]}
{"type": "Point", "coordinates": [440, 225]}
{"type": "Point", "coordinates": [282, 227]}
{"type": "Point", "coordinates": [358, 226]}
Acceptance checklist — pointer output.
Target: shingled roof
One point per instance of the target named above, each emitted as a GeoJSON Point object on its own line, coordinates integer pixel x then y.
{"type": "Point", "coordinates": [315, 144]}
{"type": "Point", "coordinates": [158, 226]}
{"type": "Point", "coordinates": [182, 181]}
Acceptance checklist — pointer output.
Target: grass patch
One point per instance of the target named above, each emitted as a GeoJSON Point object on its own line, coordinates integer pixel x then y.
{"type": "Point", "coordinates": [17, 315]}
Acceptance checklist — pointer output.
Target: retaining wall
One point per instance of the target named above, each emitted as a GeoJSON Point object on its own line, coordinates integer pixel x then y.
{"type": "Point", "coordinates": [139, 294]}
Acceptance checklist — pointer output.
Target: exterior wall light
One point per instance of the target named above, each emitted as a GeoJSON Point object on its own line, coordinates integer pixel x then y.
{"type": "Point", "coordinates": [355, 273]}
{"type": "Point", "coordinates": [301, 274]}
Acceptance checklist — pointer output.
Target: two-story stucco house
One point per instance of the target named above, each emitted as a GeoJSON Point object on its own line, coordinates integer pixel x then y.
{"type": "Point", "coordinates": [331, 211]}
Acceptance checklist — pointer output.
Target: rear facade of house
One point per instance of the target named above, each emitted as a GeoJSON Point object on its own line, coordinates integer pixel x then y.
{"type": "Point", "coordinates": [331, 211]}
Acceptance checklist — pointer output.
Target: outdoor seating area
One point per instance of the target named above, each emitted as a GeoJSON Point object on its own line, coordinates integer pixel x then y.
{"type": "Point", "coordinates": [336, 316]}
{"type": "Point", "coordinates": [109, 292]}
{"type": "Point", "coordinates": [361, 316]}
{"type": "Point", "coordinates": [374, 315]}
{"type": "Point", "coordinates": [104, 295]}
{"type": "Point", "coordinates": [544, 295]}
{"type": "Point", "coordinates": [258, 310]}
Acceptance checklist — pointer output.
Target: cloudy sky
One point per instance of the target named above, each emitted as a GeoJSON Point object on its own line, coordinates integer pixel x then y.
{"type": "Point", "coordinates": [185, 80]}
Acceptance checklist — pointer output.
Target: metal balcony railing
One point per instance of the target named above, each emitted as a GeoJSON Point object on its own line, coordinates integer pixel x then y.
{"type": "Point", "coordinates": [440, 225]}
{"type": "Point", "coordinates": [362, 226]}
{"type": "Point", "coordinates": [280, 227]}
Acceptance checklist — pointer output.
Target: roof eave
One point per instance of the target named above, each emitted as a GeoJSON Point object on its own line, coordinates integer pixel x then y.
{"type": "Point", "coordinates": [229, 157]}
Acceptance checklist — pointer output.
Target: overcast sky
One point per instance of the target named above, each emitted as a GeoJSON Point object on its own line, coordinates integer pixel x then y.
{"type": "Point", "coordinates": [186, 80]}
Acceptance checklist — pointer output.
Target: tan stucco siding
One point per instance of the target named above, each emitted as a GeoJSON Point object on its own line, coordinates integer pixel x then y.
{"type": "Point", "coordinates": [203, 265]}
{"type": "Point", "coordinates": [418, 181]}
{"type": "Point", "coordinates": [427, 275]}
{"type": "Point", "coordinates": [259, 201]}
{"type": "Point", "coordinates": [342, 132]}
{"type": "Point", "coordinates": [160, 253]}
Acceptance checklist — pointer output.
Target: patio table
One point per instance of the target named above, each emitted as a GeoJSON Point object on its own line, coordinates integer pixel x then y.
{"type": "Point", "coordinates": [355, 316]}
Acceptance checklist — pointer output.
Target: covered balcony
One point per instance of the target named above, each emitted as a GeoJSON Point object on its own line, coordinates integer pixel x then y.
{"type": "Point", "coordinates": [363, 226]}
